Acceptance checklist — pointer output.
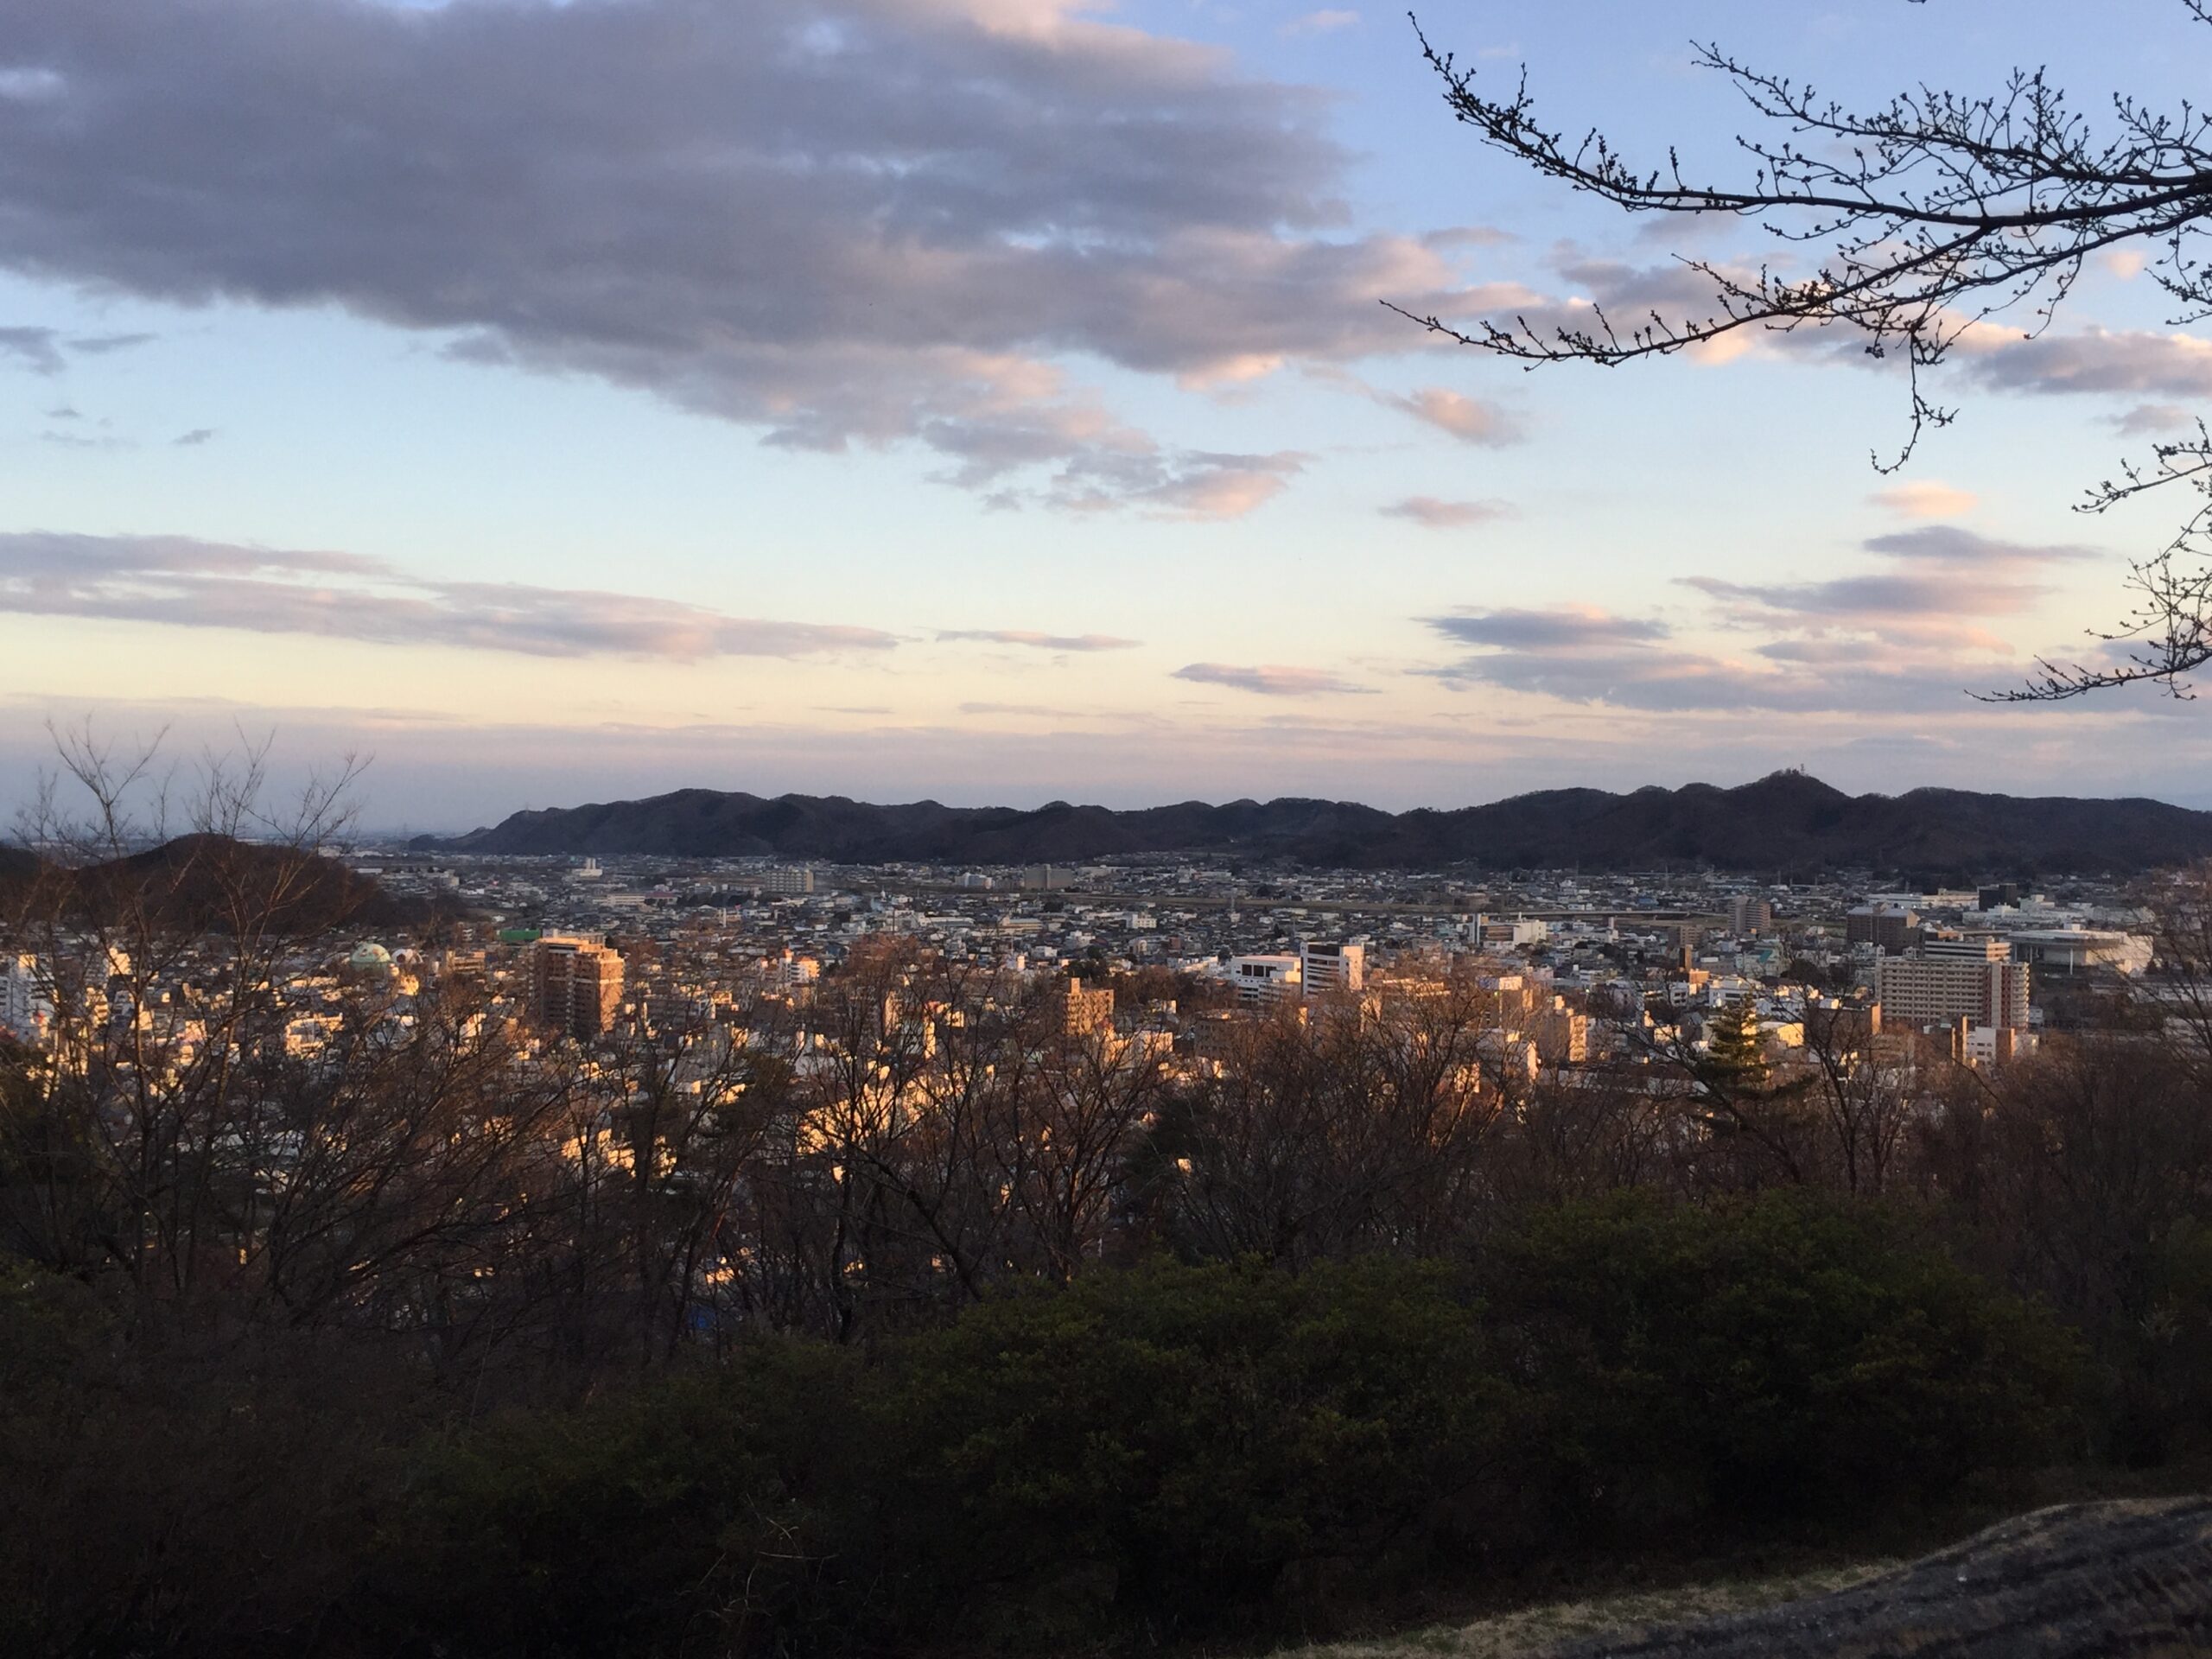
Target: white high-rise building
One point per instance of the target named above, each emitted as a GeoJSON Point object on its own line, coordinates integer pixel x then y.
{"type": "Point", "coordinates": [1325, 968]}
{"type": "Point", "coordinates": [1260, 979]}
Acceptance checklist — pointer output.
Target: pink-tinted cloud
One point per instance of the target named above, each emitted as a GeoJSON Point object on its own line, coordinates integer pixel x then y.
{"type": "Point", "coordinates": [179, 582]}
{"type": "Point", "coordinates": [1077, 642]}
{"type": "Point", "coordinates": [1926, 498]}
{"type": "Point", "coordinates": [2143, 362]}
{"type": "Point", "coordinates": [1432, 513]}
{"type": "Point", "coordinates": [1471, 420]}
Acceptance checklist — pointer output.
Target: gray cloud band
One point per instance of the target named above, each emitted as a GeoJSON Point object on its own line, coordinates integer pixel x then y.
{"type": "Point", "coordinates": [842, 221]}
{"type": "Point", "coordinates": [180, 583]}
{"type": "Point", "coordinates": [1887, 640]}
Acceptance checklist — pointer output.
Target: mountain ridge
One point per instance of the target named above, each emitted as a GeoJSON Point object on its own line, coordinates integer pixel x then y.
{"type": "Point", "coordinates": [1785, 820]}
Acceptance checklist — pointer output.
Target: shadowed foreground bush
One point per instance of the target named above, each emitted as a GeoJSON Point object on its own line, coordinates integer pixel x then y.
{"type": "Point", "coordinates": [1178, 1448]}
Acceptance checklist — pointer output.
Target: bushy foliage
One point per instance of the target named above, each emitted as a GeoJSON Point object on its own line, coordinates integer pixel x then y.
{"type": "Point", "coordinates": [698, 1514]}
{"type": "Point", "coordinates": [1784, 1357]}
{"type": "Point", "coordinates": [1187, 1441]}
{"type": "Point", "coordinates": [1176, 1448]}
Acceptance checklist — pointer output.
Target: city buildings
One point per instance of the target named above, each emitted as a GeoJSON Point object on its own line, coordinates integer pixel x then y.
{"type": "Point", "coordinates": [1953, 979]}
{"type": "Point", "coordinates": [1264, 979]}
{"type": "Point", "coordinates": [1325, 968]}
{"type": "Point", "coordinates": [575, 986]}
{"type": "Point", "coordinates": [1893, 928]}
{"type": "Point", "coordinates": [1084, 1010]}
{"type": "Point", "coordinates": [2067, 952]}
{"type": "Point", "coordinates": [26, 997]}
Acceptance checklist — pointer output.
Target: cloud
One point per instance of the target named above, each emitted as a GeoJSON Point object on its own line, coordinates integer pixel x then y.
{"type": "Point", "coordinates": [35, 349]}
{"type": "Point", "coordinates": [1468, 419]}
{"type": "Point", "coordinates": [2148, 420]}
{"type": "Point", "coordinates": [1937, 581]}
{"type": "Point", "coordinates": [182, 582]}
{"type": "Point", "coordinates": [2143, 362]}
{"type": "Point", "coordinates": [1948, 544]}
{"type": "Point", "coordinates": [198, 436]}
{"type": "Point", "coordinates": [840, 222]}
{"type": "Point", "coordinates": [1587, 656]}
{"type": "Point", "coordinates": [1669, 682]}
{"type": "Point", "coordinates": [1039, 641]}
{"type": "Point", "coordinates": [1926, 499]}
{"type": "Point", "coordinates": [1321, 22]}
{"type": "Point", "coordinates": [1431, 513]}
{"type": "Point", "coordinates": [1567, 628]}
{"type": "Point", "coordinates": [1268, 679]}
{"type": "Point", "coordinates": [1194, 485]}
{"type": "Point", "coordinates": [101, 345]}
{"type": "Point", "coordinates": [1906, 636]}
{"type": "Point", "coordinates": [1468, 236]}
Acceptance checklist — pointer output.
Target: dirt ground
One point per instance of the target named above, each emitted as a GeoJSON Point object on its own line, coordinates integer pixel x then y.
{"type": "Point", "coordinates": [2130, 1577]}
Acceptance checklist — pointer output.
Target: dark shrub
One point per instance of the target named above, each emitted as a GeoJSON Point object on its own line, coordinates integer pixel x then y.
{"type": "Point", "coordinates": [1180, 1442]}
{"type": "Point", "coordinates": [1784, 1357]}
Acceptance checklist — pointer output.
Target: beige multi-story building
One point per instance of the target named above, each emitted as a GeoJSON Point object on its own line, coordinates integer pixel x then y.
{"type": "Point", "coordinates": [1086, 1008]}
{"type": "Point", "coordinates": [1951, 980]}
{"type": "Point", "coordinates": [1561, 1035]}
{"type": "Point", "coordinates": [1748, 915]}
{"type": "Point", "coordinates": [575, 986]}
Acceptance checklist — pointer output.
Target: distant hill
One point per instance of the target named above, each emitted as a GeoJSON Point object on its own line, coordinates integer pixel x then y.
{"type": "Point", "coordinates": [1787, 822]}
{"type": "Point", "coordinates": [208, 882]}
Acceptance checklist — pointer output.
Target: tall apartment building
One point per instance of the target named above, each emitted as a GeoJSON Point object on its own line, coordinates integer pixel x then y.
{"type": "Point", "coordinates": [1748, 915]}
{"type": "Point", "coordinates": [1325, 968]}
{"type": "Point", "coordinates": [574, 985]}
{"type": "Point", "coordinates": [1561, 1035]}
{"type": "Point", "coordinates": [1086, 1008]}
{"type": "Point", "coordinates": [788, 881]}
{"type": "Point", "coordinates": [1951, 980]}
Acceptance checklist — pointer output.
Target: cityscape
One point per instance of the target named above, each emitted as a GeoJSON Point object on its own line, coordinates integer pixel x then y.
{"type": "Point", "coordinates": [1612, 979]}
{"type": "Point", "coordinates": [1104, 829]}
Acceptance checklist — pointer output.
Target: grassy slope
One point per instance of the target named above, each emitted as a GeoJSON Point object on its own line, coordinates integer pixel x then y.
{"type": "Point", "coordinates": [1532, 1630]}
{"type": "Point", "coordinates": [2130, 1575]}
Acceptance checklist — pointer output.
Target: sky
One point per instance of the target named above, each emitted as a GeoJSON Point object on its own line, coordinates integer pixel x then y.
{"type": "Point", "coordinates": [993, 401]}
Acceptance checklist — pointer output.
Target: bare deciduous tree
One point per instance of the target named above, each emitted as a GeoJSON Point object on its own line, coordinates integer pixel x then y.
{"type": "Point", "coordinates": [1909, 225]}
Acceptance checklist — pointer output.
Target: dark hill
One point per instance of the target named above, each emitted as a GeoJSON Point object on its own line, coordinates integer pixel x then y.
{"type": "Point", "coordinates": [199, 883]}
{"type": "Point", "coordinates": [1788, 822]}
